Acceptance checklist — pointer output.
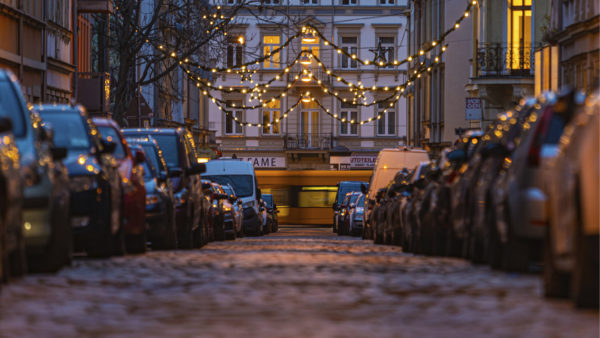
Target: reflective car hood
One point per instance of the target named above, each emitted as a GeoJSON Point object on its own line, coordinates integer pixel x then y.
{"type": "Point", "coordinates": [80, 163]}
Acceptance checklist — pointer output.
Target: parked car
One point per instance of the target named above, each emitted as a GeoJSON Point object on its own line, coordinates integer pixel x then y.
{"type": "Point", "coordinates": [41, 241]}
{"type": "Point", "coordinates": [238, 210]}
{"type": "Point", "coordinates": [344, 218]}
{"type": "Point", "coordinates": [11, 201]}
{"type": "Point", "coordinates": [160, 201]}
{"type": "Point", "coordinates": [134, 191]}
{"type": "Point", "coordinates": [272, 212]}
{"type": "Point", "coordinates": [264, 216]}
{"type": "Point", "coordinates": [356, 216]}
{"type": "Point", "coordinates": [572, 232]}
{"type": "Point", "coordinates": [94, 181]}
{"type": "Point", "coordinates": [343, 188]}
{"type": "Point", "coordinates": [240, 175]}
{"type": "Point", "coordinates": [184, 170]}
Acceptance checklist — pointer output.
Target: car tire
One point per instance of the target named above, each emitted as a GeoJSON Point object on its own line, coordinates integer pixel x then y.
{"type": "Point", "coordinates": [136, 244]}
{"type": "Point", "coordinates": [59, 252]}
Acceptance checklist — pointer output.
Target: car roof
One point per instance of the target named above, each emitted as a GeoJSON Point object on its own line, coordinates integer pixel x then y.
{"type": "Point", "coordinates": [55, 108]}
{"type": "Point", "coordinates": [105, 122]}
{"type": "Point", "coordinates": [147, 131]}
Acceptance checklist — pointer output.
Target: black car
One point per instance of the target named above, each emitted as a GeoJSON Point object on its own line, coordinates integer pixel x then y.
{"type": "Point", "coordinates": [271, 211]}
{"type": "Point", "coordinates": [160, 201]}
{"type": "Point", "coordinates": [184, 169]}
{"type": "Point", "coordinates": [44, 228]}
{"type": "Point", "coordinates": [94, 181]}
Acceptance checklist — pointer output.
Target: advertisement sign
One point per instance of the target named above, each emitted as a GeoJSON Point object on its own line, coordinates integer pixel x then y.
{"type": "Point", "coordinates": [266, 161]}
{"type": "Point", "coordinates": [473, 108]}
{"type": "Point", "coordinates": [363, 161]}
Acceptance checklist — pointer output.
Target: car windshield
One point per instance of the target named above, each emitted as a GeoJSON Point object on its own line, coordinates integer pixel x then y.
{"type": "Point", "coordinates": [152, 155]}
{"type": "Point", "coordinates": [268, 199]}
{"type": "Point", "coordinates": [353, 198]}
{"type": "Point", "coordinates": [242, 184]}
{"type": "Point", "coordinates": [361, 200]}
{"type": "Point", "coordinates": [346, 188]}
{"type": "Point", "coordinates": [228, 190]}
{"type": "Point", "coordinates": [149, 171]}
{"type": "Point", "coordinates": [69, 129]}
{"type": "Point", "coordinates": [10, 107]}
{"type": "Point", "coordinates": [168, 144]}
{"type": "Point", "coordinates": [110, 134]}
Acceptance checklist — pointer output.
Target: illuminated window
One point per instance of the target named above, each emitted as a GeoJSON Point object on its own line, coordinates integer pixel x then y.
{"type": "Point", "coordinates": [271, 43]}
{"type": "Point", "coordinates": [270, 121]}
{"type": "Point", "coordinates": [519, 34]}
{"type": "Point", "coordinates": [313, 48]}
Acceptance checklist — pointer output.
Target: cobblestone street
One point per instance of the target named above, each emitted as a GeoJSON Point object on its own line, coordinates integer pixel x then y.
{"type": "Point", "coordinates": [300, 282]}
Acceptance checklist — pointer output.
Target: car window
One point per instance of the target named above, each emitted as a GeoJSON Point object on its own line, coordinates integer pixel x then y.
{"type": "Point", "coordinates": [168, 145]}
{"type": "Point", "coordinates": [110, 134]}
{"type": "Point", "coordinates": [10, 106]}
{"type": "Point", "coordinates": [268, 199]}
{"type": "Point", "coordinates": [69, 129]}
{"type": "Point", "coordinates": [149, 170]}
{"type": "Point", "coordinates": [242, 184]}
{"type": "Point", "coordinates": [346, 188]}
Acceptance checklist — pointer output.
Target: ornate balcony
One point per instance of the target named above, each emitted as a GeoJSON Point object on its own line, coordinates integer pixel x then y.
{"type": "Point", "coordinates": [495, 60]}
{"type": "Point", "coordinates": [308, 142]}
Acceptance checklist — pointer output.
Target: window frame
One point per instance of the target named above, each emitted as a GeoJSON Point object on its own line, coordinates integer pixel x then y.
{"type": "Point", "coordinates": [349, 112]}
{"type": "Point", "coordinates": [348, 47]}
{"type": "Point", "coordinates": [350, 3]}
{"type": "Point", "coordinates": [310, 2]}
{"type": "Point", "coordinates": [385, 120]}
{"type": "Point", "coordinates": [236, 128]}
{"type": "Point", "coordinates": [272, 47]}
{"type": "Point", "coordinates": [271, 111]}
{"type": "Point", "coordinates": [386, 2]}
{"type": "Point", "coordinates": [237, 53]}
{"type": "Point", "coordinates": [391, 46]}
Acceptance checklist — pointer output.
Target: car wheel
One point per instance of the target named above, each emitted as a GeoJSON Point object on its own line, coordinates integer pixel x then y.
{"type": "Point", "coordinates": [584, 282]}
{"type": "Point", "coordinates": [136, 244]}
{"type": "Point", "coordinates": [60, 250]}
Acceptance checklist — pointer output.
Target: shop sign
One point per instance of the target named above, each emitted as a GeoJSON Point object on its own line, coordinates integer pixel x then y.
{"type": "Point", "coordinates": [266, 161]}
{"type": "Point", "coordinates": [363, 161]}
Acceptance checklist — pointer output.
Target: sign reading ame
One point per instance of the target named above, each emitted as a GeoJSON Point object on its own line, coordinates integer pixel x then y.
{"type": "Point", "coordinates": [473, 108]}
{"type": "Point", "coordinates": [266, 162]}
{"type": "Point", "coordinates": [363, 161]}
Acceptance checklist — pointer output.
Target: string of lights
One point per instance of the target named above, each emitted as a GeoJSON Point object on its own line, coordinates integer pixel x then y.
{"type": "Point", "coordinates": [309, 33]}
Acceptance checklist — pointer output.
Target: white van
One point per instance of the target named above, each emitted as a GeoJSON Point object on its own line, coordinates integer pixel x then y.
{"type": "Point", "coordinates": [240, 175]}
{"type": "Point", "coordinates": [389, 162]}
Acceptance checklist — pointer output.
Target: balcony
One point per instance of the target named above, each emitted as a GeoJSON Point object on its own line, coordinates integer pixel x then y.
{"type": "Point", "coordinates": [497, 60]}
{"type": "Point", "coordinates": [308, 142]}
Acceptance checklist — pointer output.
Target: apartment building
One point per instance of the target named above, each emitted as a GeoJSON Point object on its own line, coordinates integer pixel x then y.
{"type": "Point", "coordinates": [306, 137]}
{"type": "Point", "coordinates": [571, 54]}
{"type": "Point", "coordinates": [506, 34]}
{"type": "Point", "coordinates": [436, 103]}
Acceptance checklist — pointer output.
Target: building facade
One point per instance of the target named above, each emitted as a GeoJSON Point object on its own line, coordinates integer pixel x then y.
{"type": "Point", "coordinates": [308, 136]}
{"type": "Point", "coordinates": [436, 103]}
{"type": "Point", "coordinates": [505, 36]}
{"type": "Point", "coordinates": [571, 55]}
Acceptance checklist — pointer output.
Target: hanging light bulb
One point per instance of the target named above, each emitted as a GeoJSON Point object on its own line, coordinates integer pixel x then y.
{"type": "Point", "coordinates": [306, 97]}
{"type": "Point", "coordinates": [305, 59]}
{"type": "Point", "coordinates": [306, 77]}
{"type": "Point", "coordinates": [309, 37]}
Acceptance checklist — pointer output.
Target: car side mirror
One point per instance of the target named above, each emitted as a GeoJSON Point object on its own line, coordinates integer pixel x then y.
{"type": "Point", "coordinates": [196, 169]}
{"type": "Point", "coordinates": [175, 172]}
{"type": "Point", "coordinates": [363, 188]}
{"type": "Point", "coordinates": [5, 124]}
{"type": "Point", "coordinates": [108, 147]}
{"type": "Point", "coordinates": [140, 157]}
{"type": "Point", "coordinates": [58, 153]}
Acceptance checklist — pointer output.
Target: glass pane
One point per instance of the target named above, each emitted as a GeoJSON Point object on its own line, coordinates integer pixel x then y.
{"type": "Point", "coordinates": [238, 127]}
{"type": "Point", "coordinates": [267, 51]}
{"type": "Point", "coordinates": [275, 122]}
{"type": "Point", "coordinates": [271, 39]}
{"type": "Point", "coordinates": [273, 103]}
{"type": "Point", "coordinates": [391, 122]}
{"type": "Point", "coordinates": [265, 121]}
{"type": "Point", "coordinates": [110, 134]}
{"type": "Point", "coordinates": [69, 129]}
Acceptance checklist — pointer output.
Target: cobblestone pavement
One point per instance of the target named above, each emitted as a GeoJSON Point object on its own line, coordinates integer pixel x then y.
{"type": "Point", "coordinates": [297, 283]}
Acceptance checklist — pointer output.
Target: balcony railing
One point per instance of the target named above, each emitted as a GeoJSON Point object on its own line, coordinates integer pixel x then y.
{"type": "Point", "coordinates": [308, 142]}
{"type": "Point", "coordinates": [502, 60]}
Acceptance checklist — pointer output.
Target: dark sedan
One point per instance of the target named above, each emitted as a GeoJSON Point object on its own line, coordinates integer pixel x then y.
{"type": "Point", "coordinates": [94, 181]}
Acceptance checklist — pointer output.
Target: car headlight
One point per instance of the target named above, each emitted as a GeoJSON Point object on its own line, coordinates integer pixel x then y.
{"type": "Point", "coordinates": [82, 183]}
{"type": "Point", "coordinates": [151, 199]}
{"type": "Point", "coordinates": [226, 209]}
